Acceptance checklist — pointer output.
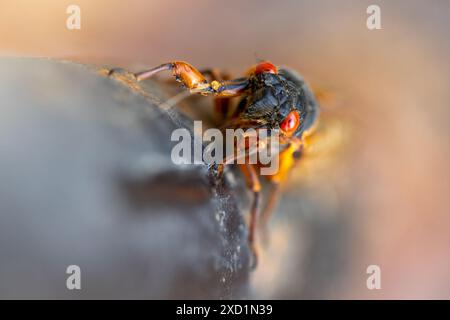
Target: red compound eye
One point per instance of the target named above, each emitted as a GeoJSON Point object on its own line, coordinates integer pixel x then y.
{"type": "Point", "coordinates": [265, 66]}
{"type": "Point", "coordinates": [290, 123]}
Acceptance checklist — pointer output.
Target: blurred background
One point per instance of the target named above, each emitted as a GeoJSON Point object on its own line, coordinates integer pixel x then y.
{"type": "Point", "coordinates": [377, 196]}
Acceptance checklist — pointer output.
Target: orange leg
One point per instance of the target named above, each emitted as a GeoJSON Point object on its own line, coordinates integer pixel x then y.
{"type": "Point", "coordinates": [254, 184]}
{"type": "Point", "coordinates": [287, 160]}
{"type": "Point", "coordinates": [274, 195]}
{"type": "Point", "coordinates": [196, 82]}
{"type": "Point", "coordinates": [272, 201]}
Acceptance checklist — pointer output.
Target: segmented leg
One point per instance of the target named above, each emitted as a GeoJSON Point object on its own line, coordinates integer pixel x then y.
{"type": "Point", "coordinates": [196, 82]}
{"type": "Point", "coordinates": [254, 184]}
{"type": "Point", "coordinates": [287, 159]}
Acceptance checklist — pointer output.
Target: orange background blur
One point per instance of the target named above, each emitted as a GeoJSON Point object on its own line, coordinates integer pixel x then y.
{"type": "Point", "coordinates": [393, 82]}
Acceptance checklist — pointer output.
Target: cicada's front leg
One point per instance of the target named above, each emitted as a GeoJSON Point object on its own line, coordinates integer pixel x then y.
{"type": "Point", "coordinates": [196, 82]}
